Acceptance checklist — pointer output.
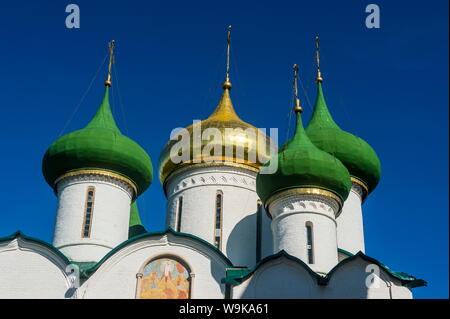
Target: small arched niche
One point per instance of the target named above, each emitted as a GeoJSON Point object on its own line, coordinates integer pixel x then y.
{"type": "Point", "coordinates": [165, 277]}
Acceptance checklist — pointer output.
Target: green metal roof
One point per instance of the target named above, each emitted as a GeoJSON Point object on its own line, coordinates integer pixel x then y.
{"type": "Point", "coordinates": [100, 145]}
{"type": "Point", "coordinates": [302, 164]}
{"type": "Point", "coordinates": [135, 219]}
{"type": "Point", "coordinates": [237, 276]}
{"type": "Point", "coordinates": [359, 157]}
{"type": "Point", "coordinates": [136, 227]}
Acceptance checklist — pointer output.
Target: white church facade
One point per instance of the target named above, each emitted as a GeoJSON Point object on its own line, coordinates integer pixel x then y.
{"type": "Point", "coordinates": [232, 231]}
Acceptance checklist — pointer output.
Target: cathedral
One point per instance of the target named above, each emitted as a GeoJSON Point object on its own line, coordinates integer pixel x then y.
{"type": "Point", "coordinates": [245, 218]}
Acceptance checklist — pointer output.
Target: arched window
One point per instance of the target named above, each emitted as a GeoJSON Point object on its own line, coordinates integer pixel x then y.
{"type": "Point", "coordinates": [165, 278]}
{"type": "Point", "coordinates": [88, 212]}
{"type": "Point", "coordinates": [179, 212]}
{"type": "Point", "coordinates": [309, 242]}
{"type": "Point", "coordinates": [258, 230]}
{"type": "Point", "coordinates": [218, 220]}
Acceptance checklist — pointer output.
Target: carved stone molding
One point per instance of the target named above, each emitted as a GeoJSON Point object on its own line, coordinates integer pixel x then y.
{"type": "Point", "coordinates": [95, 178]}
{"type": "Point", "coordinates": [358, 190]}
{"type": "Point", "coordinates": [304, 203]}
{"type": "Point", "coordinates": [217, 176]}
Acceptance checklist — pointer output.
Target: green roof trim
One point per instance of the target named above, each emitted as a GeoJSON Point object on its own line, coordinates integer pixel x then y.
{"type": "Point", "coordinates": [99, 145]}
{"type": "Point", "coordinates": [357, 155]}
{"type": "Point", "coordinates": [84, 265]}
{"type": "Point", "coordinates": [234, 275]}
{"type": "Point", "coordinates": [38, 241]}
{"type": "Point", "coordinates": [301, 164]}
{"type": "Point", "coordinates": [345, 252]}
{"type": "Point", "coordinates": [88, 268]}
{"type": "Point", "coordinates": [237, 276]}
{"type": "Point", "coordinates": [88, 272]}
{"type": "Point", "coordinates": [406, 279]}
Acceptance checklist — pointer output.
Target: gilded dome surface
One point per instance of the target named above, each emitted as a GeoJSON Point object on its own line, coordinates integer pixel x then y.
{"type": "Point", "coordinates": [98, 146]}
{"type": "Point", "coordinates": [237, 143]}
{"type": "Point", "coordinates": [359, 157]}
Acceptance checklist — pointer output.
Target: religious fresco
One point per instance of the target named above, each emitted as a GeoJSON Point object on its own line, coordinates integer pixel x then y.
{"type": "Point", "coordinates": [165, 278]}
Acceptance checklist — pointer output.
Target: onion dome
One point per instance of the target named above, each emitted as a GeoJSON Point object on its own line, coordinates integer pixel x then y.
{"type": "Point", "coordinates": [305, 168]}
{"type": "Point", "coordinates": [241, 136]}
{"type": "Point", "coordinates": [100, 147]}
{"type": "Point", "coordinates": [229, 140]}
{"type": "Point", "coordinates": [359, 157]}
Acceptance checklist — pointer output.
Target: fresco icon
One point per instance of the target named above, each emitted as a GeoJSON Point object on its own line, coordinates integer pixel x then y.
{"type": "Point", "coordinates": [165, 278]}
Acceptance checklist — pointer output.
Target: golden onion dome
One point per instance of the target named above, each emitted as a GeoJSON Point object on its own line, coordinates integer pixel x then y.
{"type": "Point", "coordinates": [223, 140]}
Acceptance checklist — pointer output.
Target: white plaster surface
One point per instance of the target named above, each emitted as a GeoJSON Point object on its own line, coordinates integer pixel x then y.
{"type": "Point", "coordinates": [199, 188]}
{"type": "Point", "coordinates": [283, 278]}
{"type": "Point", "coordinates": [31, 271]}
{"type": "Point", "coordinates": [116, 278]}
{"type": "Point", "coordinates": [290, 215]}
{"type": "Point", "coordinates": [110, 218]}
{"type": "Point", "coordinates": [350, 229]}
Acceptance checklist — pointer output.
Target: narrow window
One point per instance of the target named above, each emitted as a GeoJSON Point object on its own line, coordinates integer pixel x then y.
{"type": "Point", "coordinates": [218, 220]}
{"type": "Point", "coordinates": [88, 211]}
{"type": "Point", "coordinates": [258, 230]}
{"type": "Point", "coordinates": [309, 242]}
{"type": "Point", "coordinates": [179, 212]}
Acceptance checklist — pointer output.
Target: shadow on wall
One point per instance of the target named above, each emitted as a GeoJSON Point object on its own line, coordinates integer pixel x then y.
{"type": "Point", "coordinates": [70, 293]}
{"type": "Point", "coordinates": [241, 245]}
{"type": "Point", "coordinates": [350, 281]}
{"type": "Point", "coordinates": [218, 272]}
{"type": "Point", "coordinates": [280, 279]}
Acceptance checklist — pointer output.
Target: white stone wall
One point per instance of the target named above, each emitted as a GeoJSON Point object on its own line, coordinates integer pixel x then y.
{"type": "Point", "coordinates": [283, 278]}
{"type": "Point", "coordinates": [110, 217]}
{"type": "Point", "coordinates": [350, 230]}
{"type": "Point", "coordinates": [267, 236]}
{"type": "Point", "coordinates": [198, 187]}
{"type": "Point", "coordinates": [116, 278]}
{"type": "Point", "coordinates": [352, 280]}
{"type": "Point", "coordinates": [31, 271]}
{"type": "Point", "coordinates": [278, 279]}
{"type": "Point", "coordinates": [291, 213]}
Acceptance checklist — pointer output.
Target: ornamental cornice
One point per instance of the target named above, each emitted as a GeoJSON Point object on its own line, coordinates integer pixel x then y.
{"type": "Point", "coordinates": [95, 177]}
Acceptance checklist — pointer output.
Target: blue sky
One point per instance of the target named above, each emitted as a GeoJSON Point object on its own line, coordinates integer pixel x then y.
{"type": "Point", "coordinates": [388, 86]}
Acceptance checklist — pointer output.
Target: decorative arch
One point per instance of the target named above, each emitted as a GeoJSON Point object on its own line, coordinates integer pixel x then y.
{"type": "Point", "coordinates": [164, 277]}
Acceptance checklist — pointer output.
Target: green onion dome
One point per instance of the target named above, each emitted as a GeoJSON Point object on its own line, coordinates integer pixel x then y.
{"type": "Point", "coordinates": [99, 146]}
{"type": "Point", "coordinates": [359, 157]}
{"type": "Point", "coordinates": [301, 165]}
